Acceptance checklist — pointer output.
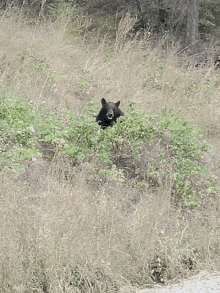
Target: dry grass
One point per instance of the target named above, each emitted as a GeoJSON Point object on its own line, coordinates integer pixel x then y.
{"type": "Point", "coordinates": [85, 234]}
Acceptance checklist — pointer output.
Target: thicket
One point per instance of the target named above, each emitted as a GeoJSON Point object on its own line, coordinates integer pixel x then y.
{"type": "Point", "coordinates": [169, 15]}
{"type": "Point", "coordinates": [180, 155]}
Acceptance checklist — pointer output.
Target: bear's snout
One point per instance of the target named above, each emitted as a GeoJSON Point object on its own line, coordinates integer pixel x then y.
{"type": "Point", "coordinates": [110, 115]}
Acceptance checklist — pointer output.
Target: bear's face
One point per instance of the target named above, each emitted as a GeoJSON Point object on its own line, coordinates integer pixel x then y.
{"type": "Point", "coordinates": [109, 109]}
{"type": "Point", "coordinates": [108, 114]}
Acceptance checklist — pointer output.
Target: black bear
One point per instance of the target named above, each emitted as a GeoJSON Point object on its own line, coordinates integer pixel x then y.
{"type": "Point", "coordinates": [108, 114]}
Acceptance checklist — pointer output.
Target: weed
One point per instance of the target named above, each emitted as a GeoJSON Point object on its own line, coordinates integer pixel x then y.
{"type": "Point", "coordinates": [39, 66]}
{"type": "Point", "coordinates": [52, 82]}
{"type": "Point", "coordinates": [39, 276]}
{"type": "Point", "coordinates": [85, 81]}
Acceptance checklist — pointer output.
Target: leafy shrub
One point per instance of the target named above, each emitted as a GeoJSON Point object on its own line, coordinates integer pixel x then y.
{"type": "Point", "coordinates": [17, 119]}
{"type": "Point", "coordinates": [185, 152]}
{"type": "Point", "coordinates": [82, 139]}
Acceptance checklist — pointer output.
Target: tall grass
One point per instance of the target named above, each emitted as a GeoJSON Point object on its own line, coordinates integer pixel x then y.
{"type": "Point", "coordinates": [65, 228]}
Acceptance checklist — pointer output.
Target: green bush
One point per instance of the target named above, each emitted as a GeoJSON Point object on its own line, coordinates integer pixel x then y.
{"type": "Point", "coordinates": [81, 138]}
{"type": "Point", "coordinates": [17, 134]}
{"type": "Point", "coordinates": [186, 149]}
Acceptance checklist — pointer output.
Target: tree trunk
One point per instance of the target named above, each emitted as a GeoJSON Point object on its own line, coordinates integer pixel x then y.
{"type": "Point", "coordinates": [192, 34]}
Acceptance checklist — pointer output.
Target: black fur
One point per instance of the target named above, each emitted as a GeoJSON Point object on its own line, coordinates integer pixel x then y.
{"type": "Point", "coordinates": [108, 114]}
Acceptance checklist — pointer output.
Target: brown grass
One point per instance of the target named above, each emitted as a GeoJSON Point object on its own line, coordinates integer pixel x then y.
{"type": "Point", "coordinates": [85, 233]}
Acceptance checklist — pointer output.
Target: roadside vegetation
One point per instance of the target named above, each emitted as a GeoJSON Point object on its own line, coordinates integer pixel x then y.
{"type": "Point", "coordinates": [91, 210]}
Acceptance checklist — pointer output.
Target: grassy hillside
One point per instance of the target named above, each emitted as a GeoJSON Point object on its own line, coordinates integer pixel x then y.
{"type": "Point", "coordinates": [87, 210]}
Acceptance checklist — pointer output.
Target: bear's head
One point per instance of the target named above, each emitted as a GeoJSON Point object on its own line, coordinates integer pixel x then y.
{"type": "Point", "coordinates": [109, 109]}
{"type": "Point", "coordinates": [109, 113]}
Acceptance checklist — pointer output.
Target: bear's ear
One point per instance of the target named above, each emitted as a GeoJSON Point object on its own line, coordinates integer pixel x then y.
{"type": "Point", "coordinates": [103, 101]}
{"type": "Point", "coordinates": [117, 104]}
